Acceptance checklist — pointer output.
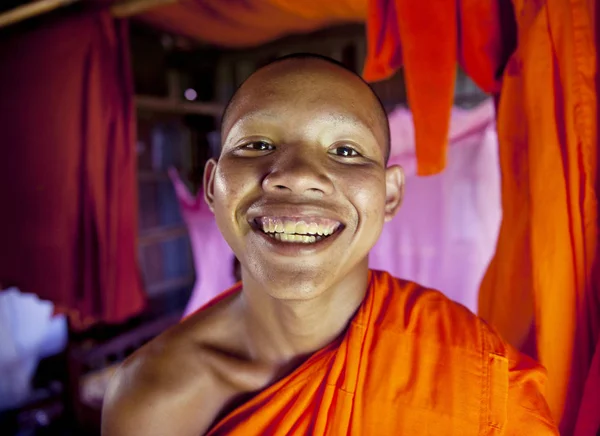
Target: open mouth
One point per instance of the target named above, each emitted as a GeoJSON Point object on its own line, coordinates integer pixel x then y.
{"type": "Point", "coordinates": [302, 230]}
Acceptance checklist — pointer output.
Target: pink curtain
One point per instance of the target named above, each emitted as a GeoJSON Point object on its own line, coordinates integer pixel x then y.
{"type": "Point", "coordinates": [445, 233]}
{"type": "Point", "coordinates": [213, 259]}
{"type": "Point", "coordinates": [443, 237]}
{"type": "Point", "coordinates": [68, 216]}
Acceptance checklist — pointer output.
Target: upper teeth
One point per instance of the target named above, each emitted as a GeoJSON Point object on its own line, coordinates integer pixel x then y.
{"type": "Point", "coordinates": [297, 227]}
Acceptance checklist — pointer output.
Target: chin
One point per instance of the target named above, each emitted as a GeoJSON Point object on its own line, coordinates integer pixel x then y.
{"type": "Point", "coordinates": [297, 283]}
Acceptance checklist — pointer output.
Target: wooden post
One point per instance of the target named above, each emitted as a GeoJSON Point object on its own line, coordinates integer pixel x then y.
{"type": "Point", "coordinates": [30, 10]}
{"type": "Point", "coordinates": [128, 8]}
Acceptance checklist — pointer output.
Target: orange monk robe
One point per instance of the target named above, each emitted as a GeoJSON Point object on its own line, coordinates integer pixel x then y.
{"type": "Point", "coordinates": [411, 362]}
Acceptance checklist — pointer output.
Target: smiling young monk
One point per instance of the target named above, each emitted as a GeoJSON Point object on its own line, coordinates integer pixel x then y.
{"type": "Point", "coordinates": [311, 341]}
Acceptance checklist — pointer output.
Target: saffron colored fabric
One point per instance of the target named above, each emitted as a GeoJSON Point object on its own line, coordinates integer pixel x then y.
{"type": "Point", "coordinates": [411, 362]}
{"type": "Point", "coordinates": [249, 23]}
{"type": "Point", "coordinates": [544, 265]}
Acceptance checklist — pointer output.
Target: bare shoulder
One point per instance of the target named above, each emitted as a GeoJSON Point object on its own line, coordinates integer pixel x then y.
{"type": "Point", "coordinates": [169, 386]}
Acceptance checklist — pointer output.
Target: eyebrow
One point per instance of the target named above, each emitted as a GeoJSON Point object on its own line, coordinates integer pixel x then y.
{"type": "Point", "coordinates": [270, 115]}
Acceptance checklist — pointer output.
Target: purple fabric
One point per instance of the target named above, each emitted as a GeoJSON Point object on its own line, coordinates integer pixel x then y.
{"type": "Point", "coordinates": [443, 237]}
{"type": "Point", "coordinates": [445, 233]}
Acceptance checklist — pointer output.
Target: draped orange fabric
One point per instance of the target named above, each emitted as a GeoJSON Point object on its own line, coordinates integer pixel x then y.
{"type": "Point", "coordinates": [548, 240]}
{"type": "Point", "coordinates": [242, 23]}
{"type": "Point", "coordinates": [428, 39]}
{"type": "Point", "coordinates": [68, 215]}
{"type": "Point", "coordinates": [548, 143]}
{"type": "Point", "coordinates": [411, 362]}
{"type": "Point", "coordinates": [426, 34]}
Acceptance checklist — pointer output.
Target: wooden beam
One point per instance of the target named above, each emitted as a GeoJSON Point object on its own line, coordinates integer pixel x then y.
{"type": "Point", "coordinates": [156, 289]}
{"type": "Point", "coordinates": [157, 104]}
{"type": "Point", "coordinates": [127, 8]}
{"type": "Point", "coordinates": [152, 176]}
{"type": "Point", "coordinates": [123, 9]}
{"type": "Point", "coordinates": [30, 10]}
{"type": "Point", "coordinates": [162, 234]}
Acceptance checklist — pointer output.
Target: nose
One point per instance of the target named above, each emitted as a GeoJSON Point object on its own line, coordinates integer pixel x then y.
{"type": "Point", "coordinates": [299, 175]}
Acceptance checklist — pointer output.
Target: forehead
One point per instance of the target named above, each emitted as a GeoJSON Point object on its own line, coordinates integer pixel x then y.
{"type": "Point", "coordinates": [298, 89]}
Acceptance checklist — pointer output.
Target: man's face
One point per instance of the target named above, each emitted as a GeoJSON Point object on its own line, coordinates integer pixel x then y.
{"type": "Point", "coordinates": [299, 191]}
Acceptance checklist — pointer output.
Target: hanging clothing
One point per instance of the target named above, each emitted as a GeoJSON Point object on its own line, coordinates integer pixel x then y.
{"type": "Point", "coordinates": [68, 227]}
{"type": "Point", "coordinates": [411, 363]}
{"type": "Point", "coordinates": [251, 22]}
{"type": "Point", "coordinates": [547, 248]}
{"type": "Point", "coordinates": [445, 233]}
{"type": "Point", "coordinates": [213, 259]}
{"type": "Point", "coordinates": [547, 123]}
{"type": "Point", "coordinates": [427, 39]}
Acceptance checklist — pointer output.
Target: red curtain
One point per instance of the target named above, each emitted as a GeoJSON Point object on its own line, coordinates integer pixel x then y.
{"type": "Point", "coordinates": [68, 220]}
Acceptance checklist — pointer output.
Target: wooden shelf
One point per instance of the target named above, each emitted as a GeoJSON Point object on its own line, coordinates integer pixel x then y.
{"type": "Point", "coordinates": [155, 289]}
{"type": "Point", "coordinates": [152, 176]}
{"type": "Point", "coordinates": [128, 8]}
{"type": "Point", "coordinates": [166, 105]}
{"type": "Point", "coordinates": [162, 234]}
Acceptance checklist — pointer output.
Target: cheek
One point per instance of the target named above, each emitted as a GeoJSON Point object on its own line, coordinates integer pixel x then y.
{"type": "Point", "coordinates": [231, 181]}
{"type": "Point", "coordinates": [369, 196]}
{"type": "Point", "coordinates": [369, 200]}
{"type": "Point", "coordinates": [234, 184]}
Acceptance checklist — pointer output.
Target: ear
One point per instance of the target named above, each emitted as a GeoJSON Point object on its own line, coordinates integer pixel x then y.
{"type": "Point", "coordinates": [208, 182]}
{"type": "Point", "coordinates": [394, 190]}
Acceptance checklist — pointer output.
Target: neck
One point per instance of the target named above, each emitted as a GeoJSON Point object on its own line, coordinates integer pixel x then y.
{"type": "Point", "coordinates": [279, 332]}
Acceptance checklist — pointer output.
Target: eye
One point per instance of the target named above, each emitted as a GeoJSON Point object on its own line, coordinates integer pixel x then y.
{"type": "Point", "coordinates": [345, 151]}
{"type": "Point", "coordinates": [258, 146]}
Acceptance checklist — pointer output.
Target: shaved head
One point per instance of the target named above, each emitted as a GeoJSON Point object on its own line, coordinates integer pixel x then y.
{"type": "Point", "coordinates": [303, 137]}
{"type": "Point", "coordinates": [286, 67]}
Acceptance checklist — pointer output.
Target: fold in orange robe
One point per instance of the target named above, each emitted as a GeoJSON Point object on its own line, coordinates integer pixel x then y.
{"type": "Point", "coordinates": [411, 362]}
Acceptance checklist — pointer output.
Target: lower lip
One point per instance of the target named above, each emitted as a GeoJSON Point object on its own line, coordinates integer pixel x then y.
{"type": "Point", "coordinates": [296, 248]}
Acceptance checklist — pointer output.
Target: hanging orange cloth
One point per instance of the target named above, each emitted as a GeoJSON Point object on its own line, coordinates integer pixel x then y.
{"type": "Point", "coordinates": [428, 39]}
{"type": "Point", "coordinates": [411, 362]}
{"type": "Point", "coordinates": [249, 23]}
{"type": "Point", "coordinates": [548, 144]}
{"type": "Point", "coordinates": [548, 240]}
